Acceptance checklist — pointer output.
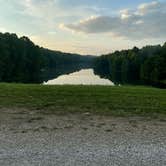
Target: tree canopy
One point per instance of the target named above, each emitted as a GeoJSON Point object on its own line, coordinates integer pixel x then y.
{"type": "Point", "coordinates": [23, 61]}
{"type": "Point", "coordinates": [135, 66]}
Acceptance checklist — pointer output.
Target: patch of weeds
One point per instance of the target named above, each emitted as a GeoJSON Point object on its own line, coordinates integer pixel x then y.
{"type": "Point", "coordinates": [162, 120]}
{"type": "Point", "coordinates": [84, 128]}
{"type": "Point", "coordinates": [24, 131]}
{"type": "Point", "coordinates": [133, 123]}
{"type": "Point", "coordinates": [68, 127]}
{"type": "Point", "coordinates": [35, 119]}
{"type": "Point", "coordinates": [108, 130]}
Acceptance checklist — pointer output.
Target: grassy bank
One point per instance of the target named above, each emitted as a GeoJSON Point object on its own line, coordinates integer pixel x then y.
{"type": "Point", "coordinates": [127, 100]}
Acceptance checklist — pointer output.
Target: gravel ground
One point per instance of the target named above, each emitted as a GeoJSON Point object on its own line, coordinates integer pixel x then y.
{"type": "Point", "coordinates": [33, 139]}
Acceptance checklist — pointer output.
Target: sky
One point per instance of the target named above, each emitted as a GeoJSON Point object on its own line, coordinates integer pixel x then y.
{"type": "Point", "coordinates": [89, 27]}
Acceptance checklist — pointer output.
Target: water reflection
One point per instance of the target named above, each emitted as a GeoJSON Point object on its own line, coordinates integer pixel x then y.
{"type": "Point", "coordinates": [82, 77]}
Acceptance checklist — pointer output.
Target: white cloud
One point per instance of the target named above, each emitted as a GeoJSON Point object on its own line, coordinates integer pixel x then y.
{"type": "Point", "coordinates": [51, 9]}
{"type": "Point", "coordinates": [149, 7]}
{"type": "Point", "coordinates": [147, 21]}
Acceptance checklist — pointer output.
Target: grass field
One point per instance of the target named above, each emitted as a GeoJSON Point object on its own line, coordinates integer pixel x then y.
{"type": "Point", "coordinates": [127, 100]}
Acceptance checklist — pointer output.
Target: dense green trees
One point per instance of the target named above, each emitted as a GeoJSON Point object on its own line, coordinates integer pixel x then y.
{"type": "Point", "coordinates": [22, 61]}
{"type": "Point", "coordinates": [135, 66]}
{"type": "Point", "coordinates": [19, 59]}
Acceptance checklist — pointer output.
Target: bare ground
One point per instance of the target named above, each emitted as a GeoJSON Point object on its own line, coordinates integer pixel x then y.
{"type": "Point", "coordinates": [31, 138]}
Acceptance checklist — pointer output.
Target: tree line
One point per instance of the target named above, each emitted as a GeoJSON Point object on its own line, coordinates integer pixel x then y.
{"type": "Point", "coordinates": [23, 61]}
{"type": "Point", "coordinates": [135, 66]}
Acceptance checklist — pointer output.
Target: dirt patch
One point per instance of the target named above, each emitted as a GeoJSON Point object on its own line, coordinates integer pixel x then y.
{"type": "Point", "coordinates": [34, 139]}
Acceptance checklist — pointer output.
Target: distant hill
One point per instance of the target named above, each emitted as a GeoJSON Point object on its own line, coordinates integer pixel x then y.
{"type": "Point", "coordinates": [23, 61]}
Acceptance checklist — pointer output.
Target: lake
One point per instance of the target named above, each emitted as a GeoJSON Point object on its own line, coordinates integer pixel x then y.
{"type": "Point", "coordinates": [82, 77]}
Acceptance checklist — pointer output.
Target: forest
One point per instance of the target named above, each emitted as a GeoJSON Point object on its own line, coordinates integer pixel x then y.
{"type": "Point", "coordinates": [24, 62]}
{"type": "Point", "coordinates": [21, 61]}
{"type": "Point", "coordinates": [146, 66]}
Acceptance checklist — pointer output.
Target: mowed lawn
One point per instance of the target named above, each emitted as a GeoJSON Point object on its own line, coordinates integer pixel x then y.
{"type": "Point", "coordinates": [125, 100]}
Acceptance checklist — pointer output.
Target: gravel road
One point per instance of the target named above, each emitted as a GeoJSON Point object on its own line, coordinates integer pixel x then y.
{"type": "Point", "coordinates": [31, 138]}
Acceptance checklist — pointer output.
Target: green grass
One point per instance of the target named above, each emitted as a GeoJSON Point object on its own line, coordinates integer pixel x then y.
{"type": "Point", "coordinates": [127, 100]}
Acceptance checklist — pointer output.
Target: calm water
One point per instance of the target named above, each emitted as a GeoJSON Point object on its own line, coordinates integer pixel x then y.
{"type": "Point", "coordinates": [82, 77]}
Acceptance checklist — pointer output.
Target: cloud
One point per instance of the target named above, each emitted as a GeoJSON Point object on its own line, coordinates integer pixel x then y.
{"type": "Point", "coordinates": [149, 7]}
{"type": "Point", "coordinates": [147, 21]}
{"type": "Point", "coordinates": [51, 9]}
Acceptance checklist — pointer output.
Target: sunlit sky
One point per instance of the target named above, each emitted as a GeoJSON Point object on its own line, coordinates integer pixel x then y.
{"type": "Point", "coordinates": [91, 27]}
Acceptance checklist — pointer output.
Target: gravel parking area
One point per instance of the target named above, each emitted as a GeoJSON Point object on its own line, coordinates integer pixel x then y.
{"type": "Point", "coordinates": [31, 138]}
